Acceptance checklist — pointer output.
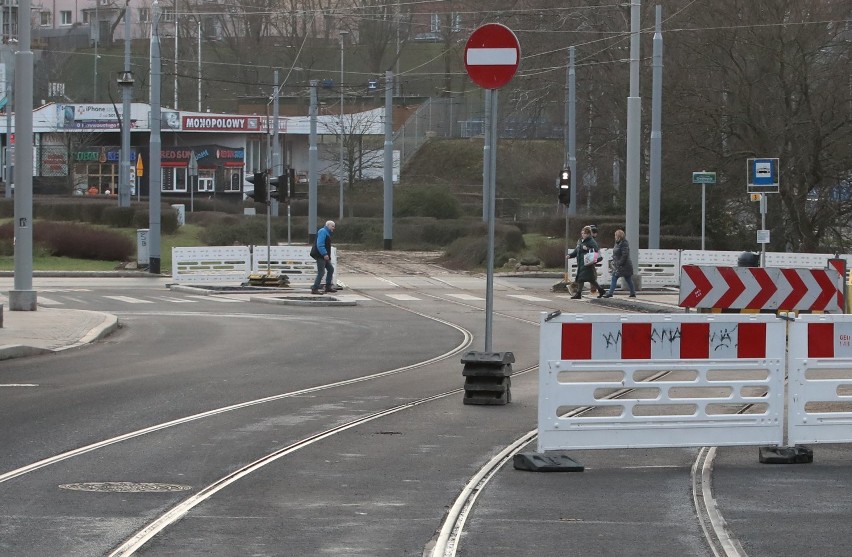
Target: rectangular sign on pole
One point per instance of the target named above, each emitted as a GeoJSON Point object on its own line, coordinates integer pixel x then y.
{"type": "Point", "coordinates": [703, 177]}
{"type": "Point", "coordinates": [763, 176]}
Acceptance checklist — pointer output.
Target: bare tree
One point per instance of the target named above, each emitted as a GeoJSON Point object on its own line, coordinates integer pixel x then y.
{"type": "Point", "coordinates": [770, 78]}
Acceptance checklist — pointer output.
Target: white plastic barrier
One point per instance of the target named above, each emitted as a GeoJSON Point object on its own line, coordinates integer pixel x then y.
{"type": "Point", "coordinates": [229, 264]}
{"type": "Point", "coordinates": [294, 261]}
{"type": "Point", "coordinates": [673, 380]}
{"type": "Point", "coordinates": [820, 379]}
{"type": "Point", "coordinates": [661, 268]}
{"type": "Point", "coordinates": [210, 264]}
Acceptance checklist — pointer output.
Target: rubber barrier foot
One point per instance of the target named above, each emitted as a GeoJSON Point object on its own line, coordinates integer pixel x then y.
{"type": "Point", "coordinates": [798, 454]}
{"type": "Point", "coordinates": [538, 462]}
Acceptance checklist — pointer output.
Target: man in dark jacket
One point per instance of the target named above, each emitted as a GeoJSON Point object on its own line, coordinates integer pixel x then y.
{"type": "Point", "coordinates": [321, 251]}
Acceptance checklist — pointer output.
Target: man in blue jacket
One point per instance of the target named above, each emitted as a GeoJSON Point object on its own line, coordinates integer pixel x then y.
{"type": "Point", "coordinates": [321, 251]}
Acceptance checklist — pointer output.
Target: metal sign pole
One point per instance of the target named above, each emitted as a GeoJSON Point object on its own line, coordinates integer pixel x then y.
{"type": "Point", "coordinates": [703, 212]}
{"type": "Point", "coordinates": [492, 164]}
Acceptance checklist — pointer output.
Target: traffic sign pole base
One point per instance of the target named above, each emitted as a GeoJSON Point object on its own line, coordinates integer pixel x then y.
{"type": "Point", "coordinates": [798, 454]}
{"type": "Point", "coordinates": [544, 462]}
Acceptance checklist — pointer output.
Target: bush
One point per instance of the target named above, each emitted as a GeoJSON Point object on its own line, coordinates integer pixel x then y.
{"type": "Point", "coordinates": [427, 202]}
{"type": "Point", "coordinates": [246, 231]}
{"type": "Point", "coordinates": [119, 217]}
{"type": "Point", "coordinates": [77, 241]}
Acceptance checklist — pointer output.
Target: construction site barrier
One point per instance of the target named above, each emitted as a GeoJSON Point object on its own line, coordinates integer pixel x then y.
{"type": "Point", "coordinates": [661, 268]}
{"type": "Point", "coordinates": [820, 379]}
{"type": "Point", "coordinates": [229, 264]}
{"type": "Point", "coordinates": [668, 380]}
{"type": "Point", "coordinates": [688, 380]}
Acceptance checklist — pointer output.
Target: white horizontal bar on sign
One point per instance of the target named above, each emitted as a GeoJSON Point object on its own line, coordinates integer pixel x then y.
{"type": "Point", "coordinates": [492, 56]}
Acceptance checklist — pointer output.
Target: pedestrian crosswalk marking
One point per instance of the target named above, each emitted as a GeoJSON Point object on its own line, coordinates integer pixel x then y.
{"type": "Point", "coordinates": [466, 297]}
{"type": "Point", "coordinates": [129, 300]}
{"type": "Point", "coordinates": [403, 297]}
{"type": "Point", "coordinates": [44, 301]}
{"type": "Point", "coordinates": [528, 298]}
{"type": "Point", "coordinates": [176, 300]}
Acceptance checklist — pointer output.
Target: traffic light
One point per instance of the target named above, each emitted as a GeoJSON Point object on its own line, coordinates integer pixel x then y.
{"type": "Point", "coordinates": [565, 186]}
{"type": "Point", "coordinates": [281, 188]}
{"type": "Point", "coordinates": [259, 181]}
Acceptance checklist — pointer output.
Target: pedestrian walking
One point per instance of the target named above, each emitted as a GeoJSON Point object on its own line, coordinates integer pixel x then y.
{"type": "Point", "coordinates": [321, 251]}
{"type": "Point", "coordinates": [587, 254]}
{"type": "Point", "coordinates": [622, 266]}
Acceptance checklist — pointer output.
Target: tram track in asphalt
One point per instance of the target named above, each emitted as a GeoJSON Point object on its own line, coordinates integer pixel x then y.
{"type": "Point", "coordinates": [465, 502]}
{"type": "Point", "coordinates": [713, 525]}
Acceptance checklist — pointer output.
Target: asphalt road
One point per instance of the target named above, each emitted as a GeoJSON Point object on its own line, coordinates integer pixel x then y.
{"type": "Point", "coordinates": [260, 429]}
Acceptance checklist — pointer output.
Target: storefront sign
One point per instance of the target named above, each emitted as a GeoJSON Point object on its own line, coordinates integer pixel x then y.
{"type": "Point", "coordinates": [221, 123]}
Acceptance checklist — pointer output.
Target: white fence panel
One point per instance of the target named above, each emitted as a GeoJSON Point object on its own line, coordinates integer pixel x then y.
{"type": "Point", "coordinates": [294, 261]}
{"type": "Point", "coordinates": [210, 264]}
{"type": "Point", "coordinates": [649, 381]}
{"type": "Point", "coordinates": [820, 379]}
{"type": "Point", "coordinates": [659, 268]}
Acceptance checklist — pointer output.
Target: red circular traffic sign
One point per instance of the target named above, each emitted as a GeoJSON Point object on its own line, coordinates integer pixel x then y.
{"type": "Point", "coordinates": [492, 55]}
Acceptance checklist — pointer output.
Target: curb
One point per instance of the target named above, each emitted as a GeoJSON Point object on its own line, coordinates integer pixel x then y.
{"type": "Point", "coordinates": [312, 300]}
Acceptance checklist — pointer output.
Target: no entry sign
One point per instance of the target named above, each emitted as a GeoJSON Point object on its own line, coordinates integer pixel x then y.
{"type": "Point", "coordinates": [491, 56]}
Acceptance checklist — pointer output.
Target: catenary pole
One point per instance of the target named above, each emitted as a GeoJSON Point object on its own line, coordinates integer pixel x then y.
{"type": "Point", "coordinates": [388, 162]}
{"type": "Point", "coordinates": [654, 189]}
{"type": "Point", "coordinates": [634, 107]}
{"type": "Point", "coordinates": [155, 177]}
{"type": "Point", "coordinates": [571, 126]}
{"type": "Point", "coordinates": [126, 84]}
{"type": "Point", "coordinates": [312, 166]}
{"type": "Point", "coordinates": [23, 297]}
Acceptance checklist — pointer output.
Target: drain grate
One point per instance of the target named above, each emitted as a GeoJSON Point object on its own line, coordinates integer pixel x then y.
{"type": "Point", "coordinates": [125, 487]}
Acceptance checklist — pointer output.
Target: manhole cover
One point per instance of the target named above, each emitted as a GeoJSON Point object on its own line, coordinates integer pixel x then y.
{"type": "Point", "coordinates": [125, 487]}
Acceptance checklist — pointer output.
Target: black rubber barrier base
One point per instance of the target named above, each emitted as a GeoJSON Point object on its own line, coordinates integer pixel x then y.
{"type": "Point", "coordinates": [798, 454]}
{"type": "Point", "coordinates": [538, 462]}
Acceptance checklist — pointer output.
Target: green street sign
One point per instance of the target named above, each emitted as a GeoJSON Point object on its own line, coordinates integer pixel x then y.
{"type": "Point", "coordinates": [703, 177]}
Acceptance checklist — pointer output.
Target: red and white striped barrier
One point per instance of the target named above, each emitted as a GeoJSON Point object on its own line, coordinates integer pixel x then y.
{"type": "Point", "coordinates": [759, 288]}
{"type": "Point", "coordinates": [668, 380]}
{"type": "Point", "coordinates": [820, 379]}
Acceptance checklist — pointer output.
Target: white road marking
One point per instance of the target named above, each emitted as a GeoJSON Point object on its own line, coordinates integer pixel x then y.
{"type": "Point", "coordinates": [176, 300]}
{"type": "Point", "coordinates": [44, 301]}
{"type": "Point", "coordinates": [403, 297]}
{"type": "Point", "coordinates": [466, 297]}
{"type": "Point", "coordinates": [528, 298]}
{"type": "Point", "coordinates": [129, 300]}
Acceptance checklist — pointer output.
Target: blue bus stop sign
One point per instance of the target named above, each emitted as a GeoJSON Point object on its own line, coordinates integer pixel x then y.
{"type": "Point", "coordinates": [763, 176]}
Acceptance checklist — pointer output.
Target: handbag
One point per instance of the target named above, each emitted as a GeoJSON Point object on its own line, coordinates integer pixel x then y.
{"type": "Point", "coordinates": [590, 258]}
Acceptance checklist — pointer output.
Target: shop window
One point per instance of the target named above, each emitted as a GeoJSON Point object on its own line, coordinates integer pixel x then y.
{"type": "Point", "coordinates": [233, 180]}
{"type": "Point", "coordinates": [206, 180]}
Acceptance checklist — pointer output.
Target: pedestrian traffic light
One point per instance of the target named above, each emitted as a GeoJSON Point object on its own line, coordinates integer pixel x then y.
{"type": "Point", "coordinates": [259, 182]}
{"type": "Point", "coordinates": [565, 186]}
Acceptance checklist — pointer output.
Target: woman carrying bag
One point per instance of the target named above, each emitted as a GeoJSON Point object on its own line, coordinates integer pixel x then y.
{"type": "Point", "coordinates": [587, 254]}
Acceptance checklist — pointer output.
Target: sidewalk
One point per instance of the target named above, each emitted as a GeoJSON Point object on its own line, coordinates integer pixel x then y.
{"type": "Point", "coordinates": [25, 333]}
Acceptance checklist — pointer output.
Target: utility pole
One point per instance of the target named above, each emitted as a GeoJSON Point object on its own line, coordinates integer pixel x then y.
{"type": "Point", "coordinates": [343, 34]}
{"type": "Point", "coordinates": [388, 154]}
{"type": "Point", "coordinates": [654, 193]}
{"type": "Point", "coordinates": [312, 165]}
{"type": "Point", "coordinates": [125, 83]}
{"type": "Point", "coordinates": [571, 131]}
{"type": "Point", "coordinates": [155, 178]}
{"type": "Point", "coordinates": [634, 108]}
{"type": "Point", "coordinates": [23, 297]}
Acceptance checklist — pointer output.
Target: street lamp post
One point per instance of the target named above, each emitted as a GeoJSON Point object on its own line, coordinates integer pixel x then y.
{"type": "Point", "coordinates": [343, 34]}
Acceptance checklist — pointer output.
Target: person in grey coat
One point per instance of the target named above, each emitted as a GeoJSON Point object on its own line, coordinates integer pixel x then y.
{"type": "Point", "coordinates": [585, 273]}
{"type": "Point", "coordinates": [622, 267]}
